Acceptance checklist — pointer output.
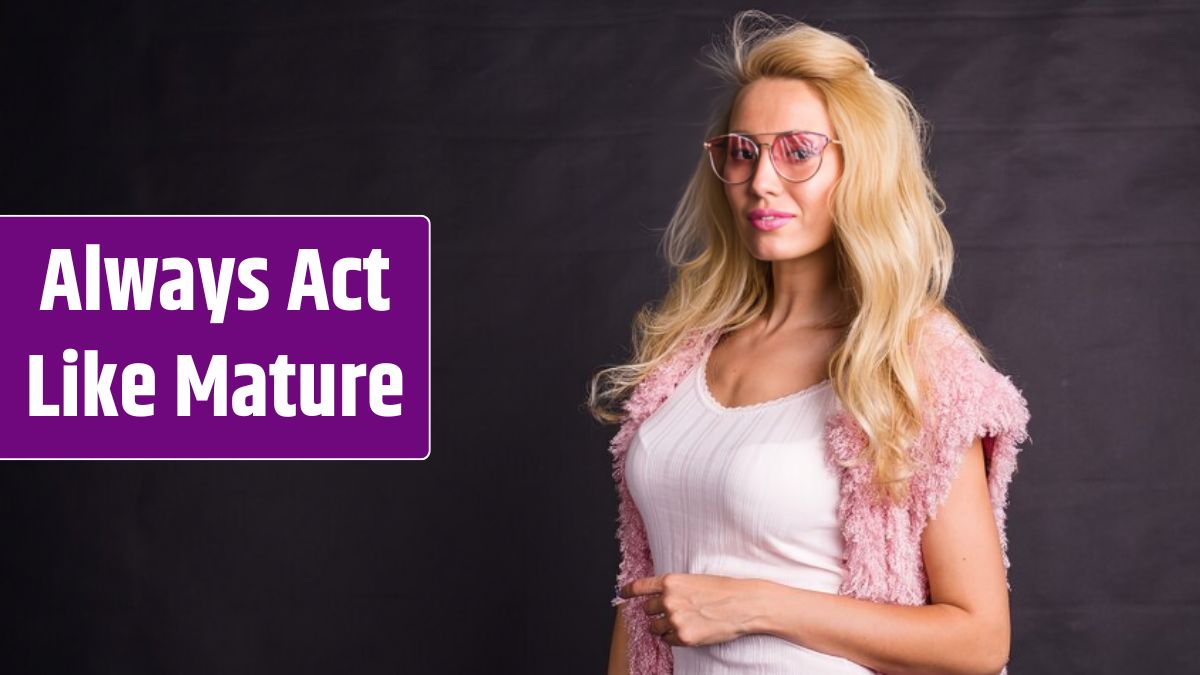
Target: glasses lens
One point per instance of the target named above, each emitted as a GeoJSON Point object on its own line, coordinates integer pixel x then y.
{"type": "Point", "coordinates": [732, 158]}
{"type": "Point", "coordinates": [798, 156]}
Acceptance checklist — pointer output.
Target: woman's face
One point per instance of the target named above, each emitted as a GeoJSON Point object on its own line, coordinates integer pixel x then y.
{"type": "Point", "coordinates": [770, 105]}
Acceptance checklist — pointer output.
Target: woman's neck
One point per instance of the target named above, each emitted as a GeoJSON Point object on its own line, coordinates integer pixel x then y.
{"type": "Point", "coordinates": [805, 292]}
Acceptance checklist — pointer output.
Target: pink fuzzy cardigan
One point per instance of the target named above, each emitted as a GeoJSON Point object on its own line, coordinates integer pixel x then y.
{"type": "Point", "coordinates": [882, 553]}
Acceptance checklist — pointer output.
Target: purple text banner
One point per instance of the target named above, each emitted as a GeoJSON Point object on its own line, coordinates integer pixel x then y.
{"type": "Point", "coordinates": [204, 337]}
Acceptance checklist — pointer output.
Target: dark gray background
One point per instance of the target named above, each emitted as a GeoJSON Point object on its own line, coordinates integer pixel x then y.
{"type": "Point", "coordinates": [548, 144]}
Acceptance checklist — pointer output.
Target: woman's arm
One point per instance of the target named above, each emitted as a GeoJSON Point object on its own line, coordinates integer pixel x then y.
{"type": "Point", "coordinates": [965, 630]}
{"type": "Point", "coordinates": [618, 654]}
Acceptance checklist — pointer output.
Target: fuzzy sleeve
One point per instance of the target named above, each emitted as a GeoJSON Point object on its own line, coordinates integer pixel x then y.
{"type": "Point", "coordinates": [647, 654]}
{"type": "Point", "coordinates": [969, 399]}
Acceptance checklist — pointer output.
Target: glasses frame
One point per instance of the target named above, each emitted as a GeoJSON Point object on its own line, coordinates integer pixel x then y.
{"type": "Point", "coordinates": [770, 153]}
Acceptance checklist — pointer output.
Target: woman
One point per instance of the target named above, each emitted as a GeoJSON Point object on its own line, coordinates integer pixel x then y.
{"type": "Point", "coordinates": [802, 404]}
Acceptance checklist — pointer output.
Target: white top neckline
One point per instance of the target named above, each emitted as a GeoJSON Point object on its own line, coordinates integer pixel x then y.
{"type": "Point", "coordinates": [713, 404]}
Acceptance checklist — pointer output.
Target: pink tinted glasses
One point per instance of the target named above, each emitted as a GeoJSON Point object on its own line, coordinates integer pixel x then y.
{"type": "Point", "coordinates": [796, 155]}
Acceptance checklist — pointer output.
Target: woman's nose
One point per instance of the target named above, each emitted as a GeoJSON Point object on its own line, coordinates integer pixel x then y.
{"type": "Point", "coordinates": [765, 179]}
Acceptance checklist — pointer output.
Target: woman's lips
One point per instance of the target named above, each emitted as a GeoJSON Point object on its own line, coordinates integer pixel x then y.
{"type": "Point", "coordinates": [766, 220]}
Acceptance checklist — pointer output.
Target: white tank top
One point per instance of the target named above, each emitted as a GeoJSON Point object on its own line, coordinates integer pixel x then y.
{"type": "Point", "coordinates": [742, 492]}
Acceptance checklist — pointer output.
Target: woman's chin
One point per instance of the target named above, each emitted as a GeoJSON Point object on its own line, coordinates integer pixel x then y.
{"type": "Point", "coordinates": [768, 249]}
{"type": "Point", "coordinates": [773, 252]}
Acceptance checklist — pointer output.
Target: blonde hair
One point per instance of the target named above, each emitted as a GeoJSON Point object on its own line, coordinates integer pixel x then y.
{"type": "Point", "coordinates": [894, 254]}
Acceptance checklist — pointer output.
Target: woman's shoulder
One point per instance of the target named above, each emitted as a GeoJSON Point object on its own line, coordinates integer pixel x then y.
{"type": "Point", "coordinates": [952, 361]}
{"type": "Point", "coordinates": [966, 397]}
{"type": "Point", "coordinates": [940, 329]}
{"type": "Point", "coordinates": [662, 379]}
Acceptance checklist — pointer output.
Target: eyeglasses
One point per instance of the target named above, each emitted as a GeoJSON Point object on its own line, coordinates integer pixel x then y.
{"type": "Point", "coordinates": [796, 155]}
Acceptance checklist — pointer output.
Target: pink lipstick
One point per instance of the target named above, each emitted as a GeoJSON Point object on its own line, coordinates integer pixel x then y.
{"type": "Point", "coordinates": [769, 219]}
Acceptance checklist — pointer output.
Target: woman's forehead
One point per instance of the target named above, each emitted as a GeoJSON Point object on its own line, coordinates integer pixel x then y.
{"type": "Point", "coordinates": [769, 105]}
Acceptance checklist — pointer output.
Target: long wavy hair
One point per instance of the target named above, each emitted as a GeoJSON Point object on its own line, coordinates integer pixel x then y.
{"type": "Point", "coordinates": [894, 254]}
